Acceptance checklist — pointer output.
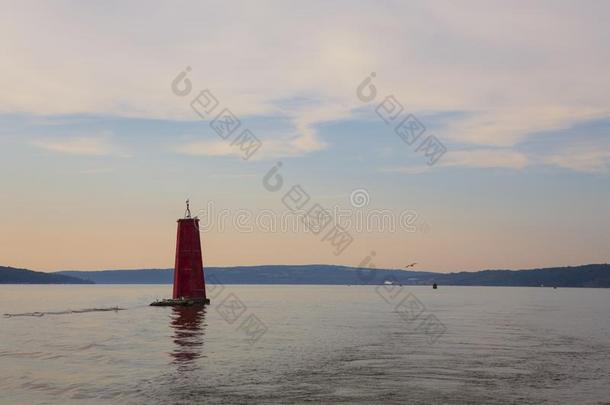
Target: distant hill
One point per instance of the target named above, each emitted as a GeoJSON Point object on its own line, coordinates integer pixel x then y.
{"type": "Point", "coordinates": [277, 274]}
{"type": "Point", "coordinates": [592, 275]}
{"type": "Point", "coordinates": [11, 275]}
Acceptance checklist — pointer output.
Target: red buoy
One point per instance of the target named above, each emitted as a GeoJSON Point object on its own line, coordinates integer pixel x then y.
{"type": "Point", "coordinates": [188, 271]}
{"type": "Point", "coordinates": [189, 283]}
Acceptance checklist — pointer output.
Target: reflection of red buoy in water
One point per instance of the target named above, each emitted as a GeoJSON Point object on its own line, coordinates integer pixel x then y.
{"type": "Point", "coordinates": [434, 286]}
{"type": "Point", "coordinates": [188, 335]}
{"type": "Point", "coordinates": [189, 283]}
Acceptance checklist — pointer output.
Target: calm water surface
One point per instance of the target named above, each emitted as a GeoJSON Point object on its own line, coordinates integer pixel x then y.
{"type": "Point", "coordinates": [323, 344]}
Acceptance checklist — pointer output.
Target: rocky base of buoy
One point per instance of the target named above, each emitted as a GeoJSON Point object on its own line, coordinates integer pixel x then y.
{"type": "Point", "coordinates": [181, 302]}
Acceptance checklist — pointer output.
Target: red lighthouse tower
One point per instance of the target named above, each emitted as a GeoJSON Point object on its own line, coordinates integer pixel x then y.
{"type": "Point", "coordinates": [189, 282]}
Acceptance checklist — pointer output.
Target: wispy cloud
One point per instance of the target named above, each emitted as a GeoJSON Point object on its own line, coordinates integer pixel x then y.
{"type": "Point", "coordinates": [99, 170]}
{"type": "Point", "coordinates": [206, 148]}
{"type": "Point", "coordinates": [580, 159]}
{"type": "Point", "coordinates": [477, 158]}
{"type": "Point", "coordinates": [513, 74]}
{"type": "Point", "coordinates": [588, 160]}
{"type": "Point", "coordinates": [486, 158]}
{"type": "Point", "coordinates": [406, 169]}
{"type": "Point", "coordinates": [81, 145]}
{"type": "Point", "coordinates": [298, 145]}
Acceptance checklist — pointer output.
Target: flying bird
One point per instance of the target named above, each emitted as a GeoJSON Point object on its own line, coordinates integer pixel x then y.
{"type": "Point", "coordinates": [410, 265]}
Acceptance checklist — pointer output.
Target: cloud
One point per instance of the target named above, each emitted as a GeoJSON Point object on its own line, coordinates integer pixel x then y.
{"type": "Point", "coordinates": [272, 148]}
{"type": "Point", "coordinates": [406, 169]}
{"type": "Point", "coordinates": [84, 146]}
{"type": "Point", "coordinates": [485, 158]}
{"type": "Point", "coordinates": [478, 158]}
{"type": "Point", "coordinates": [206, 148]}
{"type": "Point", "coordinates": [587, 160]}
{"type": "Point", "coordinates": [513, 73]}
{"type": "Point", "coordinates": [100, 170]}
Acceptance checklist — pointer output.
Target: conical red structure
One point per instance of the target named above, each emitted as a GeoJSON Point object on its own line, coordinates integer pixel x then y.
{"type": "Point", "coordinates": [189, 283]}
{"type": "Point", "coordinates": [188, 272]}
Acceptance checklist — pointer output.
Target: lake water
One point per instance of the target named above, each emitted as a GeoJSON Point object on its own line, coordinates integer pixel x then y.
{"type": "Point", "coordinates": [298, 344]}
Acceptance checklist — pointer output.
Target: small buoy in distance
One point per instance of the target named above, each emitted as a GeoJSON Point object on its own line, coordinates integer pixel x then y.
{"type": "Point", "coordinates": [434, 286]}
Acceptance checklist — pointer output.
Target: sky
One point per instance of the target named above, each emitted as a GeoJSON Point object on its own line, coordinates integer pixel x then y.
{"type": "Point", "coordinates": [108, 123]}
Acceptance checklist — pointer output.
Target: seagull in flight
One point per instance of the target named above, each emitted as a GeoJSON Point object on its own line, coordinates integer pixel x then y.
{"type": "Point", "coordinates": [410, 265]}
